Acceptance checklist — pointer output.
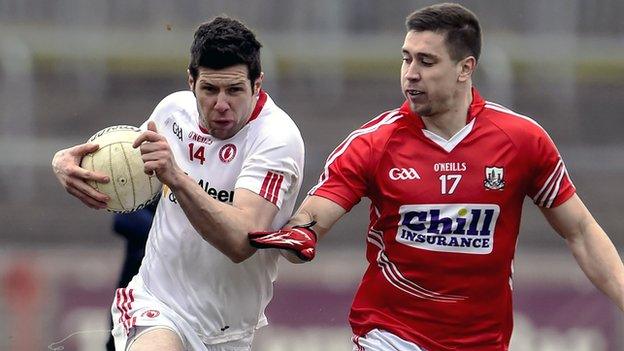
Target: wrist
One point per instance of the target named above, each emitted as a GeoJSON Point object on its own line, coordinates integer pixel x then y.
{"type": "Point", "coordinates": [176, 180]}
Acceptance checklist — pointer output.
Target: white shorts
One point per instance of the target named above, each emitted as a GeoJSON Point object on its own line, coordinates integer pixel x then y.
{"type": "Point", "coordinates": [135, 311]}
{"type": "Point", "coordinates": [381, 340]}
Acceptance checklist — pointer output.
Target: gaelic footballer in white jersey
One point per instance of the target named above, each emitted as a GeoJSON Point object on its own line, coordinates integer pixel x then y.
{"type": "Point", "coordinates": [220, 300]}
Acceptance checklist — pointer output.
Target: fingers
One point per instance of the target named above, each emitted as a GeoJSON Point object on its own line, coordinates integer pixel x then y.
{"type": "Point", "coordinates": [307, 254]}
{"type": "Point", "coordinates": [151, 125]}
{"type": "Point", "coordinates": [147, 136]}
{"type": "Point", "coordinates": [66, 165]}
{"type": "Point", "coordinates": [72, 170]}
{"type": "Point", "coordinates": [156, 154]}
{"type": "Point", "coordinates": [83, 149]}
{"type": "Point", "coordinates": [87, 200]}
{"type": "Point", "coordinates": [153, 167]}
{"type": "Point", "coordinates": [150, 135]}
{"type": "Point", "coordinates": [158, 147]}
{"type": "Point", "coordinates": [86, 174]}
{"type": "Point", "coordinates": [298, 241]}
{"type": "Point", "coordinates": [81, 187]}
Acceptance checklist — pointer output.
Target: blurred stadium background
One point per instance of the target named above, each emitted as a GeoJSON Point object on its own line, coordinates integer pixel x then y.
{"type": "Point", "coordinates": [71, 67]}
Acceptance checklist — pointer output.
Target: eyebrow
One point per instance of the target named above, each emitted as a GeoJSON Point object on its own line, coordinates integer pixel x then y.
{"type": "Point", "coordinates": [420, 54]}
{"type": "Point", "coordinates": [425, 55]}
{"type": "Point", "coordinates": [211, 83]}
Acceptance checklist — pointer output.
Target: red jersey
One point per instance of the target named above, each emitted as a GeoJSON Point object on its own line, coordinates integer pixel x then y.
{"type": "Point", "coordinates": [444, 220]}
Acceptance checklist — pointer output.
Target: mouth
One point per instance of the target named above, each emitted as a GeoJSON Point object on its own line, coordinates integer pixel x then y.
{"type": "Point", "coordinates": [222, 123]}
{"type": "Point", "coordinates": [414, 93]}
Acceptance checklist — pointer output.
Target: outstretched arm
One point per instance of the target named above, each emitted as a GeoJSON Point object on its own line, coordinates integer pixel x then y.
{"type": "Point", "coordinates": [592, 248]}
{"type": "Point", "coordinates": [320, 210]}
{"type": "Point", "coordinates": [298, 238]}
{"type": "Point", "coordinates": [225, 227]}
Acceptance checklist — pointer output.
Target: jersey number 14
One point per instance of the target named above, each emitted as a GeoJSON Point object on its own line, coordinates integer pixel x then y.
{"type": "Point", "coordinates": [196, 153]}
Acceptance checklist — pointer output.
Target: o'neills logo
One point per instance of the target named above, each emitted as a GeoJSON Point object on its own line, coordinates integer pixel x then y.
{"type": "Point", "coordinates": [150, 314]}
{"type": "Point", "coordinates": [227, 153]}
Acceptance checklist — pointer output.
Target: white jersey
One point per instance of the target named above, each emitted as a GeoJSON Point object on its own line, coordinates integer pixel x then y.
{"type": "Point", "coordinates": [219, 299]}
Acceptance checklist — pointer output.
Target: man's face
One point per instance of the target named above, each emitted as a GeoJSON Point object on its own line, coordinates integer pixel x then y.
{"type": "Point", "coordinates": [429, 77]}
{"type": "Point", "coordinates": [225, 99]}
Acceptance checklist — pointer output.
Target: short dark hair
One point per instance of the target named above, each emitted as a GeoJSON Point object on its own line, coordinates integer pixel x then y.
{"type": "Point", "coordinates": [460, 26]}
{"type": "Point", "coordinates": [225, 42]}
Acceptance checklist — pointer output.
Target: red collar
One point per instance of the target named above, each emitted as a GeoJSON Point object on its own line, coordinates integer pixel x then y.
{"type": "Point", "coordinates": [262, 98]}
{"type": "Point", "coordinates": [475, 107]}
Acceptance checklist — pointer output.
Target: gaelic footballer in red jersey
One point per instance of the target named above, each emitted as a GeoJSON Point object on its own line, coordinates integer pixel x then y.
{"type": "Point", "coordinates": [446, 174]}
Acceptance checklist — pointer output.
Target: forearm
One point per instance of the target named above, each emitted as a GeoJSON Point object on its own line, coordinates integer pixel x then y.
{"type": "Point", "coordinates": [225, 227]}
{"type": "Point", "coordinates": [297, 240]}
{"type": "Point", "coordinates": [320, 210]}
{"type": "Point", "coordinates": [599, 260]}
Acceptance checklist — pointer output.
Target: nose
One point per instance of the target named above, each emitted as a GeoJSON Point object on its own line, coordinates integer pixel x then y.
{"type": "Point", "coordinates": [222, 103]}
{"type": "Point", "coordinates": [412, 72]}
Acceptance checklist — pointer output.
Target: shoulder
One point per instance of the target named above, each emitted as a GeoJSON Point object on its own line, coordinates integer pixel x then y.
{"type": "Point", "coordinates": [517, 126]}
{"type": "Point", "coordinates": [274, 125]}
{"type": "Point", "coordinates": [371, 137]}
{"type": "Point", "coordinates": [379, 129]}
{"type": "Point", "coordinates": [382, 123]}
{"type": "Point", "coordinates": [380, 126]}
{"type": "Point", "coordinates": [180, 101]}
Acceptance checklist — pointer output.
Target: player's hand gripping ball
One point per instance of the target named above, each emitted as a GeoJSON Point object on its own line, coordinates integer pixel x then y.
{"type": "Point", "coordinates": [130, 189]}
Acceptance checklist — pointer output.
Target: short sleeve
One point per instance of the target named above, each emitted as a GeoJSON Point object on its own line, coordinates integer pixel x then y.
{"type": "Point", "coordinates": [274, 168]}
{"type": "Point", "coordinates": [171, 104]}
{"type": "Point", "coordinates": [550, 185]}
{"type": "Point", "coordinates": [345, 176]}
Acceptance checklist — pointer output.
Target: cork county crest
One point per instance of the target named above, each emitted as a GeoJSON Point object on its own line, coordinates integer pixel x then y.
{"type": "Point", "coordinates": [494, 178]}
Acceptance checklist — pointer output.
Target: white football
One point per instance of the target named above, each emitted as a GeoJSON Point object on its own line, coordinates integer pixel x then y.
{"type": "Point", "coordinates": [130, 189]}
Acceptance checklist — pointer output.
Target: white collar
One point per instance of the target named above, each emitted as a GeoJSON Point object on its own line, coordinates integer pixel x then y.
{"type": "Point", "coordinates": [450, 144]}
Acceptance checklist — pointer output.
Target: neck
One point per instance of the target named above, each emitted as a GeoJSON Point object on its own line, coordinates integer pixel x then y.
{"type": "Point", "coordinates": [447, 123]}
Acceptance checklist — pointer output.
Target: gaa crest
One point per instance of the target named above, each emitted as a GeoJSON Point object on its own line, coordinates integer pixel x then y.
{"type": "Point", "coordinates": [494, 178]}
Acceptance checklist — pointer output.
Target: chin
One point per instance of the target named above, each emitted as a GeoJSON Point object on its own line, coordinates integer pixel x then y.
{"type": "Point", "coordinates": [226, 134]}
{"type": "Point", "coordinates": [421, 110]}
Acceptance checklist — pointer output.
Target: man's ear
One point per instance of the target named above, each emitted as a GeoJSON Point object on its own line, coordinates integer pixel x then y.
{"type": "Point", "coordinates": [257, 85]}
{"type": "Point", "coordinates": [191, 81]}
{"type": "Point", "coordinates": [467, 66]}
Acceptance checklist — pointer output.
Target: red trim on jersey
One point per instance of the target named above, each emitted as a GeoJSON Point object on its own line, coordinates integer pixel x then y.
{"type": "Point", "coordinates": [549, 195]}
{"type": "Point", "coordinates": [265, 184]}
{"type": "Point", "coordinates": [356, 340]}
{"type": "Point", "coordinates": [262, 98]}
{"type": "Point", "coordinates": [371, 126]}
{"type": "Point", "coordinates": [475, 107]}
{"type": "Point", "coordinates": [124, 299]}
{"type": "Point", "coordinates": [203, 130]}
{"type": "Point", "coordinates": [395, 277]}
{"type": "Point", "coordinates": [271, 187]}
{"type": "Point", "coordinates": [362, 130]}
{"type": "Point", "coordinates": [558, 187]}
